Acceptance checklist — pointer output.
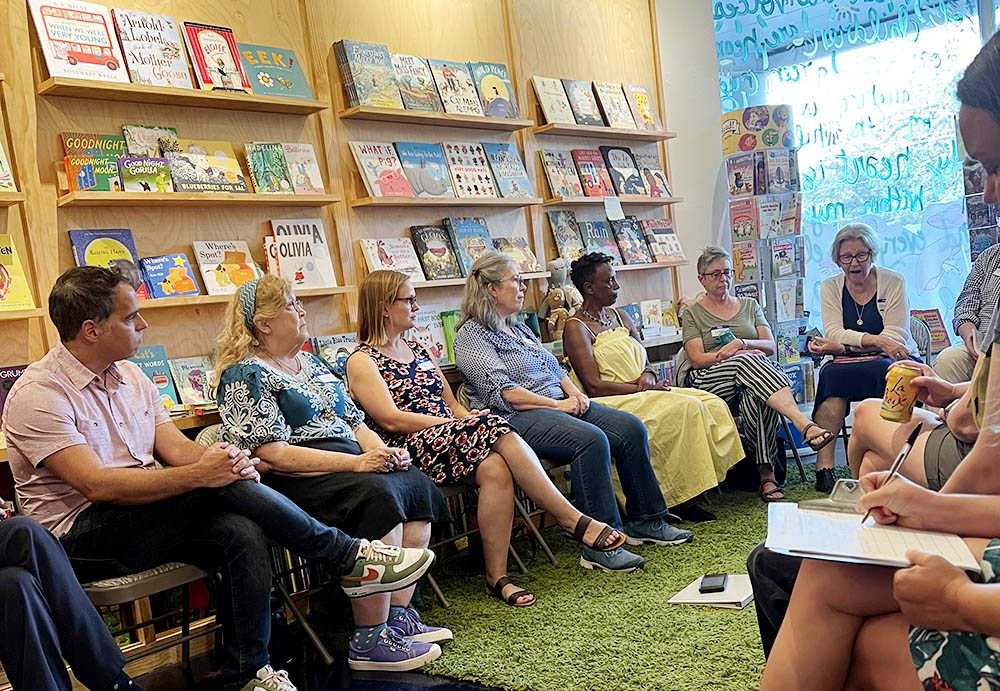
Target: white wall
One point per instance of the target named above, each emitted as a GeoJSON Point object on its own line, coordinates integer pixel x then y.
{"type": "Point", "coordinates": [691, 93]}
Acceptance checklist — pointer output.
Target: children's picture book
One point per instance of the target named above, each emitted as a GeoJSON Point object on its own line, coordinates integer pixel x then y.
{"type": "Point", "coordinates": [778, 179]}
{"type": "Point", "coordinates": [517, 249]}
{"type": "Point", "coordinates": [216, 58]}
{"type": "Point", "coordinates": [90, 144]}
{"type": "Point", "coordinates": [8, 375]}
{"type": "Point", "coordinates": [7, 183]}
{"type": "Point", "coordinates": [268, 169]}
{"type": "Point", "coordinates": [759, 173]}
{"type": "Point", "coordinates": [793, 170]}
{"type": "Point", "coordinates": [152, 360]}
{"type": "Point", "coordinates": [470, 172]}
{"type": "Point", "coordinates": [980, 240]}
{"type": "Point", "coordinates": [274, 71]}
{"type": "Point", "coordinates": [78, 40]}
{"type": "Point", "coordinates": [144, 140]}
{"type": "Point", "coordinates": [380, 169]}
{"type": "Point", "coordinates": [335, 349]}
{"type": "Point", "coordinates": [203, 166]}
{"type": "Point", "coordinates": [495, 89]}
{"type": "Point", "coordinates": [749, 290]}
{"type": "Point", "coordinates": [635, 314]}
{"type": "Point", "coordinates": [428, 331]}
{"type": "Point", "coordinates": [593, 173]}
{"type": "Point", "coordinates": [653, 175]}
{"type": "Point", "coordinates": [367, 74]}
{"type": "Point", "coordinates": [110, 247]}
{"type": "Point", "coordinates": [145, 174]}
{"type": "Point", "coordinates": [449, 320]}
{"type": "Point", "coordinates": [415, 82]}
{"type": "Point", "coordinates": [662, 240]}
{"type": "Point", "coordinates": [562, 177]}
{"type": "Point", "coordinates": [614, 106]}
{"type": "Point", "coordinates": [769, 216]}
{"type": "Point", "coordinates": [303, 168]}
{"type": "Point", "coordinates": [455, 86]}
{"type": "Point", "coordinates": [508, 170]}
{"type": "Point", "coordinates": [597, 238]}
{"type": "Point", "coordinates": [304, 260]}
{"type": "Point", "coordinates": [632, 243]}
{"type": "Point", "coordinates": [743, 220]}
{"type": "Point", "coordinates": [671, 324]}
{"type": "Point", "coordinates": [791, 214]}
{"type": "Point", "coordinates": [154, 53]}
{"type": "Point", "coordinates": [425, 168]}
{"type": "Point", "coordinates": [169, 275]}
{"type": "Point", "coordinates": [740, 175]}
{"type": "Point", "coordinates": [193, 377]}
{"type": "Point", "coordinates": [974, 176]}
{"type": "Point", "coordinates": [786, 336]}
{"type": "Point", "coordinates": [980, 214]}
{"type": "Point", "coordinates": [781, 299]}
{"type": "Point", "coordinates": [92, 173]}
{"type": "Point", "coordinates": [582, 101]}
{"type": "Point", "coordinates": [552, 98]}
{"type": "Point", "coordinates": [640, 102]}
{"type": "Point", "coordinates": [470, 238]}
{"type": "Point", "coordinates": [782, 258]}
{"type": "Point", "coordinates": [746, 263]}
{"type": "Point", "coordinates": [939, 335]}
{"type": "Point", "coordinates": [624, 170]}
{"type": "Point", "coordinates": [225, 265]}
{"type": "Point", "coordinates": [566, 232]}
{"type": "Point", "coordinates": [436, 253]}
{"type": "Point", "coordinates": [395, 254]}
{"type": "Point", "coordinates": [15, 293]}
{"type": "Point", "coordinates": [652, 318]}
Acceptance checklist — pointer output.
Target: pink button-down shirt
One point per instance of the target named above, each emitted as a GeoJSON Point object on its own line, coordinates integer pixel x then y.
{"type": "Point", "coordinates": [58, 403]}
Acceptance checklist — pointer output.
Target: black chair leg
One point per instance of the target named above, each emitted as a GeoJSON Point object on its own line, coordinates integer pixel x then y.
{"type": "Point", "coordinates": [185, 630]}
{"type": "Point", "coordinates": [795, 451]}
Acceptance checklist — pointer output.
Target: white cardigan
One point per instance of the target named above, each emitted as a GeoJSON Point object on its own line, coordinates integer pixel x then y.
{"type": "Point", "coordinates": [891, 303]}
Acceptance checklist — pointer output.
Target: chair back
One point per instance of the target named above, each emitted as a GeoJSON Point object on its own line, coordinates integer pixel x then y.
{"type": "Point", "coordinates": [682, 365]}
{"type": "Point", "coordinates": [922, 336]}
{"type": "Point", "coordinates": [209, 435]}
{"type": "Point", "coordinates": [462, 395]}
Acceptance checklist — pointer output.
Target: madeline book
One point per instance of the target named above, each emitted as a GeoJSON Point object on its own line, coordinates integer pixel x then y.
{"type": "Point", "coordinates": [110, 247]}
{"type": "Point", "coordinates": [90, 144]}
{"type": "Point", "coordinates": [495, 90]}
{"type": "Point", "coordinates": [425, 168]}
{"type": "Point", "coordinates": [597, 238]}
{"type": "Point", "coordinates": [632, 243]}
{"type": "Point", "coordinates": [624, 170]}
{"type": "Point", "coordinates": [380, 169]}
{"type": "Point", "coordinates": [273, 71]}
{"type": "Point", "coordinates": [78, 40]}
{"type": "Point", "coordinates": [662, 240]}
{"type": "Point", "coordinates": [562, 177]}
{"type": "Point", "coordinates": [470, 238]}
{"type": "Point", "coordinates": [552, 98]}
{"type": "Point", "coordinates": [743, 220]}
{"type": "Point", "coordinates": [225, 265]}
{"type": "Point", "coordinates": [303, 168]}
{"type": "Point", "coordinates": [216, 58]}
{"type": "Point", "coordinates": [15, 293]}
{"type": "Point", "coordinates": [653, 175]}
{"type": "Point", "coordinates": [394, 254]}
{"type": "Point", "coordinates": [416, 83]}
{"type": "Point", "coordinates": [193, 376]}
{"type": "Point", "coordinates": [169, 275]}
{"type": "Point", "coordinates": [517, 249]}
{"type": "Point", "coordinates": [454, 84]}
{"type": "Point", "coordinates": [739, 171]}
{"type": "Point", "coordinates": [470, 172]}
{"type": "Point", "coordinates": [151, 44]}
{"type": "Point", "coordinates": [593, 173]}
{"type": "Point", "coordinates": [145, 174]}
{"type": "Point", "coordinates": [508, 170]}
{"type": "Point", "coordinates": [6, 174]}
{"type": "Point", "coordinates": [436, 253]}
{"type": "Point", "coordinates": [640, 102]}
{"type": "Point", "coordinates": [304, 261]}
{"type": "Point", "coordinates": [152, 360]}
{"type": "Point", "coordinates": [614, 106]}
{"type": "Point", "coordinates": [746, 262]}
{"type": "Point", "coordinates": [566, 232]}
{"type": "Point", "coordinates": [582, 101]}
{"type": "Point", "coordinates": [203, 166]}
{"type": "Point", "coordinates": [428, 331]}
{"type": "Point", "coordinates": [268, 169]}
{"type": "Point", "coordinates": [144, 140]}
{"type": "Point", "coordinates": [366, 70]}
{"type": "Point", "coordinates": [92, 173]}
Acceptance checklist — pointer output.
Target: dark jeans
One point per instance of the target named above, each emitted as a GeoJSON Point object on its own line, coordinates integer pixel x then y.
{"type": "Point", "coordinates": [772, 576]}
{"type": "Point", "coordinates": [46, 618]}
{"type": "Point", "coordinates": [224, 530]}
{"type": "Point", "coordinates": [588, 442]}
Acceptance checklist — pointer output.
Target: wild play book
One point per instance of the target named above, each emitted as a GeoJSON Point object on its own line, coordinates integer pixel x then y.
{"type": "Point", "coordinates": [367, 74]}
{"type": "Point", "coordinates": [454, 84]}
{"type": "Point", "coordinates": [144, 140]}
{"type": "Point", "coordinates": [141, 174]}
{"type": "Point", "coordinates": [225, 265]}
{"type": "Point", "coordinates": [597, 238]}
{"type": "Point", "coordinates": [303, 168]}
{"type": "Point", "coordinates": [662, 240]}
{"type": "Point", "coordinates": [426, 169]}
{"type": "Point", "coordinates": [110, 247]}
{"type": "Point", "coordinates": [428, 331]}
{"type": "Point", "coordinates": [593, 173]}
{"type": "Point", "coordinates": [15, 293]}
{"type": "Point", "coordinates": [623, 169]}
{"type": "Point", "coordinates": [304, 261]}
{"type": "Point", "coordinates": [204, 166]}
{"type": "Point", "coordinates": [582, 101]}
{"type": "Point", "coordinates": [566, 232]}
{"type": "Point", "coordinates": [92, 144]}
{"type": "Point", "coordinates": [615, 108]}
{"type": "Point", "coordinates": [393, 254]}
{"type": "Point", "coordinates": [7, 183]}
{"type": "Point", "coordinates": [436, 253]}
{"type": "Point", "coordinates": [651, 170]}
{"type": "Point", "coordinates": [268, 169]}
{"type": "Point", "coordinates": [216, 58]}
{"type": "Point", "coordinates": [78, 40]}
{"type": "Point", "coordinates": [470, 172]}
{"type": "Point", "coordinates": [151, 44]}
{"type": "Point", "coordinates": [517, 249]}
{"type": "Point", "coordinates": [561, 174]}
{"type": "Point", "coordinates": [640, 102]}
{"type": "Point", "coordinates": [273, 71]}
{"type": "Point", "coordinates": [92, 173]}
{"type": "Point", "coordinates": [628, 235]}
{"type": "Point", "coordinates": [169, 275]}
{"type": "Point", "coordinates": [380, 169]}
{"type": "Point", "coordinates": [495, 90]}
{"type": "Point", "coordinates": [508, 170]}
{"type": "Point", "coordinates": [552, 98]}
{"type": "Point", "coordinates": [470, 238]}
{"type": "Point", "coordinates": [193, 377]}
{"type": "Point", "coordinates": [743, 220]}
{"type": "Point", "coordinates": [416, 83]}
{"type": "Point", "coordinates": [152, 360]}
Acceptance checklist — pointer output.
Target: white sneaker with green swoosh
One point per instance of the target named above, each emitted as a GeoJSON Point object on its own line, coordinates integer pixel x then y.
{"type": "Point", "coordinates": [382, 568]}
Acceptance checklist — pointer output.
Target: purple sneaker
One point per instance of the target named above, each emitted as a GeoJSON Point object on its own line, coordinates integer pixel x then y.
{"type": "Point", "coordinates": [392, 653]}
{"type": "Point", "coordinates": [409, 626]}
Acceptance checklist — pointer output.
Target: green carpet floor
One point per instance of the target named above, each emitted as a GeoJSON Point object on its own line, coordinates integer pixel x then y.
{"type": "Point", "coordinates": [599, 631]}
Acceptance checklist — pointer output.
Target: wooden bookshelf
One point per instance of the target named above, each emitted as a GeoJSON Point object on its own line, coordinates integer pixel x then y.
{"type": "Point", "coordinates": [11, 315]}
{"type": "Point", "coordinates": [188, 300]}
{"type": "Point", "coordinates": [196, 199]}
{"type": "Point", "coordinates": [420, 117]}
{"type": "Point", "coordinates": [597, 132]}
{"type": "Point", "coordinates": [447, 282]}
{"type": "Point", "coordinates": [633, 199]}
{"type": "Point", "coordinates": [196, 421]}
{"type": "Point", "coordinates": [11, 198]}
{"type": "Point", "coordinates": [167, 96]}
{"type": "Point", "coordinates": [661, 340]}
{"type": "Point", "coordinates": [446, 201]}
{"type": "Point", "coordinates": [646, 267]}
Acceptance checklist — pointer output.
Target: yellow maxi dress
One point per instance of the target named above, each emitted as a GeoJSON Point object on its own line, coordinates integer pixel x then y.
{"type": "Point", "coordinates": [693, 440]}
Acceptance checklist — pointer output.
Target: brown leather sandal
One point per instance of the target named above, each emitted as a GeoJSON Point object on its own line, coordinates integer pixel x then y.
{"type": "Point", "coordinates": [820, 440]}
{"type": "Point", "coordinates": [496, 590]}
{"type": "Point", "coordinates": [599, 544]}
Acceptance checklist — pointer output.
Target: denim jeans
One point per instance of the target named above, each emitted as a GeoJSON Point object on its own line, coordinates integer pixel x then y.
{"type": "Point", "coordinates": [224, 530]}
{"type": "Point", "coordinates": [772, 576]}
{"type": "Point", "coordinates": [588, 443]}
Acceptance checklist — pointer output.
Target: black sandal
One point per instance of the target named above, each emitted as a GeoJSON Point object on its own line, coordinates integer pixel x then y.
{"type": "Point", "coordinates": [600, 544]}
{"type": "Point", "coordinates": [768, 496]}
{"type": "Point", "coordinates": [496, 590]}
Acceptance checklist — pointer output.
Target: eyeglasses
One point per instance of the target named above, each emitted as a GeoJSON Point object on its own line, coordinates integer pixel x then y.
{"type": "Point", "coordinates": [862, 257]}
{"type": "Point", "coordinates": [295, 304]}
{"type": "Point", "coordinates": [410, 301]}
{"type": "Point", "coordinates": [716, 275]}
{"type": "Point", "coordinates": [516, 280]}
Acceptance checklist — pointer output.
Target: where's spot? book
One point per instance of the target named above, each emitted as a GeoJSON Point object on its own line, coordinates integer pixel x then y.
{"type": "Point", "coordinates": [169, 275]}
{"type": "Point", "coordinates": [225, 265]}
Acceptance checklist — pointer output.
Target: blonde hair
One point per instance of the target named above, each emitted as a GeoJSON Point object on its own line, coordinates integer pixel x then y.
{"type": "Point", "coordinates": [236, 341]}
{"type": "Point", "coordinates": [477, 303]}
{"type": "Point", "coordinates": [378, 290]}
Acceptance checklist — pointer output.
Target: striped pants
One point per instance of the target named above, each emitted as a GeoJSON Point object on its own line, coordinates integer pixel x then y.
{"type": "Point", "coordinates": [745, 382]}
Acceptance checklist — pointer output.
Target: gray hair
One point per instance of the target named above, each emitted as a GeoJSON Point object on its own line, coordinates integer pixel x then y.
{"type": "Point", "coordinates": [854, 231]}
{"type": "Point", "coordinates": [709, 255]}
{"type": "Point", "coordinates": [477, 303]}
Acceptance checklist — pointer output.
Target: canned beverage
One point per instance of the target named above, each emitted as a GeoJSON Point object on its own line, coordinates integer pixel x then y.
{"type": "Point", "coordinates": [900, 394]}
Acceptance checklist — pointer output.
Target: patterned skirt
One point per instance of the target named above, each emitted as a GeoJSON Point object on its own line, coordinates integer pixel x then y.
{"type": "Point", "coordinates": [448, 452]}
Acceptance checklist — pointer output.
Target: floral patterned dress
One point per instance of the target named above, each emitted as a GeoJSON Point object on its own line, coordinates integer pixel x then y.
{"type": "Point", "coordinates": [446, 452]}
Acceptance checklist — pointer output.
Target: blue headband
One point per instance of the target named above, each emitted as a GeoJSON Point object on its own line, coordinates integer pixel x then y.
{"type": "Point", "coordinates": [248, 302]}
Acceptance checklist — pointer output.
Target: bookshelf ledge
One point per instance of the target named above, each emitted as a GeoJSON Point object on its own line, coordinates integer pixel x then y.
{"type": "Point", "coordinates": [635, 199]}
{"type": "Point", "coordinates": [447, 282]}
{"type": "Point", "coordinates": [420, 117]}
{"type": "Point", "coordinates": [661, 340]}
{"type": "Point", "coordinates": [188, 300]}
{"type": "Point", "coordinates": [596, 132]}
{"type": "Point", "coordinates": [198, 199]}
{"type": "Point", "coordinates": [654, 265]}
{"type": "Point", "coordinates": [11, 198]}
{"type": "Point", "coordinates": [446, 201]}
{"type": "Point", "coordinates": [12, 315]}
{"type": "Point", "coordinates": [169, 96]}
{"type": "Point", "coordinates": [195, 421]}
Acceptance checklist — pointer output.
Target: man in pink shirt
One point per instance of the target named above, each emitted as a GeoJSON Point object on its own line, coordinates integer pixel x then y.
{"type": "Point", "coordinates": [84, 427]}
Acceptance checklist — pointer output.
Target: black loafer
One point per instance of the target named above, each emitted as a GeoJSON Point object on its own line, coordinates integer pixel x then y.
{"type": "Point", "coordinates": [689, 511]}
{"type": "Point", "coordinates": [824, 480]}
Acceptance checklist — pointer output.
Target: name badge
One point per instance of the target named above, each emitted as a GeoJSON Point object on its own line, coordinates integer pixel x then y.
{"type": "Point", "coordinates": [880, 304]}
{"type": "Point", "coordinates": [326, 377]}
{"type": "Point", "coordinates": [425, 365]}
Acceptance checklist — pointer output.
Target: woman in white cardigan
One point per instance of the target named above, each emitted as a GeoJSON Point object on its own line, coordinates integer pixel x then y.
{"type": "Point", "coordinates": [866, 322]}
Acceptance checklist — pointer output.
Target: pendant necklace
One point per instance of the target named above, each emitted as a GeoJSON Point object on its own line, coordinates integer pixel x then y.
{"type": "Point", "coordinates": [605, 322]}
{"type": "Point", "coordinates": [860, 322]}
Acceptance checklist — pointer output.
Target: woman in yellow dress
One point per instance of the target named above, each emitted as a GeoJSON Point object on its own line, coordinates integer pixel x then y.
{"type": "Point", "coordinates": [693, 439]}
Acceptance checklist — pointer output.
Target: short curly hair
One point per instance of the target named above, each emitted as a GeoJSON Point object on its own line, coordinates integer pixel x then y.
{"type": "Point", "coordinates": [583, 269]}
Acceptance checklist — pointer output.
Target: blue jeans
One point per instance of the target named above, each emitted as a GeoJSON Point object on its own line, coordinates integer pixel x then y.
{"type": "Point", "coordinates": [588, 443]}
{"type": "Point", "coordinates": [225, 530]}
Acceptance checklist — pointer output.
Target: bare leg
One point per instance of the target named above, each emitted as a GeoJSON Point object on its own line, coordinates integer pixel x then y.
{"type": "Point", "coordinates": [884, 439]}
{"type": "Point", "coordinates": [496, 515]}
{"type": "Point", "coordinates": [767, 476]}
{"type": "Point", "coordinates": [881, 658]}
{"type": "Point", "coordinates": [414, 534]}
{"type": "Point", "coordinates": [783, 400]}
{"type": "Point", "coordinates": [373, 610]}
{"type": "Point", "coordinates": [829, 415]}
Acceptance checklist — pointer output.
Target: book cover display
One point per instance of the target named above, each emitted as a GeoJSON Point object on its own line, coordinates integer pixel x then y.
{"type": "Point", "coordinates": [517, 249]}
{"type": "Point", "coordinates": [746, 262]}
{"type": "Point", "coordinates": [425, 168]}
{"type": "Point", "coordinates": [274, 71]}
{"type": "Point", "coordinates": [623, 169]}
{"type": "Point", "coordinates": [662, 240]}
{"type": "Point", "coordinates": [193, 377]}
{"type": "Point", "coordinates": [144, 140]}
{"type": "Point", "coordinates": [303, 260]}
{"type": "Point", "coordinates": [91, 144]}
{"type": "Point", "coordinates": [395, 254]}
{"type": "Point", "coordinates": [652, 317]}
{"type": "Point", "coordinates": [782, 300]}
{"type": "Point", "coordinates": [743, 220]}
{"type": "Point", "coordinates": [582, 101]}
{"type": "Point", "coordinates": [939, 335]}
{"type": "Point", "coordinates": [552, 99]}
{"type": "Point", "coordinates": [597, 238]}
{"type": "Point", "coordinates": [225, 265]}
{"type": "Point", "coordinates": [268, 169]}
{"type": "Point", "coordinates": [8, 375]}
{"type": "Point", "coordinates": [566, 232]}
{"type": "Point", "coordinates": [769, 216]}
{"type": "Point", "coordinates": [469, 169]}
{"type": "Point", "coordinates": [380, 169]}
{"type": "Point", "coordinates": [653, 175]}
{"type": "Point", "coordinates": [367, 74]}
{"type": "Point", "coordinates": [593, 173]}
{"type": "Point", "coordinates": [495, 90]}
{"type": "Point", "coordinates": [15, 293]}
{"type": "Point", "coordinates": [757, 128]}
{"type": "Point", "coordinates": [508, 170]}
{"type": "Point", "coordinates": [614, 106]}
{"type": "Point", "coordinates": [111, 247]}
{"type": "Point", "coordinates": [635, 314]}
{"type": "Point", "coordinates": [152, 360]}
{"type": "Point", "coordinates": [561, 174]}
{"type": "Point", "coordinates": [791, 214]}
{"type": "Point", "coordinates": [470, 238]}
{"type": "Point", "coordinates": [455, 86]}
{"type": "Point", "coordinates": [335, 349]}
{"type": "Point", "coordinates": [216, 58]}
{"type": "Point", "coordinates": [415, 82]}
{"type": "Point", "coordinates": [778, 179]}
{"type": "Point", "coordinates": [640, 102]}
{"type": "Point", "coordinates": [428, 331]}
{"type": "Point", "coordinates": [203, 166]}
{"type": "Point", "coordinates": [436, 253]}
{"type": "Point", "coordinates": [145, 175]}
{"type": "Point", "coordinates": [303, 168]}
{"type": "Point", "coordinates": [7, 183]}
{"type": "Point", "coordinates": [169, 275]}
{"type": "Point", "coordinates": [739, 171]}
{"type": "Point", "coordinates": [632, 243]}
{"type": "Point", "coordinates": [78, 40]}
{"type": "Point", "coordinates": [154, 53]}
{"type": "Point", "coordinates": [92, 173]}
{"type": "Point", "coordinates": [979, 213]}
